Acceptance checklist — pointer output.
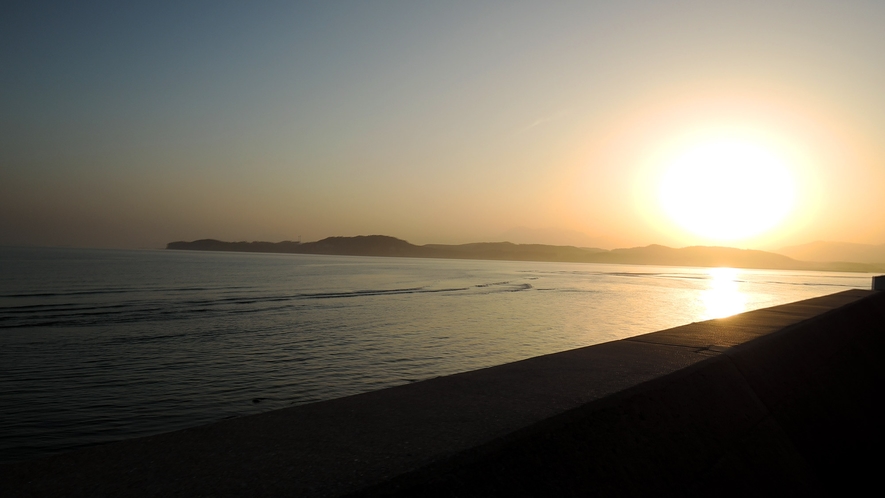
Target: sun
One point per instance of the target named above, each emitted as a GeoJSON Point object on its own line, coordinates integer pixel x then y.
{"type": "Point", "coordinates": [727, 190]}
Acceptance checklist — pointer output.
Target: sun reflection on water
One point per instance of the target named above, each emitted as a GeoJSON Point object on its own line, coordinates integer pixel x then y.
{"type": "Point", "coordinates": [723, 297]}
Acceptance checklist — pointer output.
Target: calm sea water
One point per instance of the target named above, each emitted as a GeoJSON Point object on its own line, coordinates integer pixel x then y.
{"type": "Point", "coordinates": [102, 345]}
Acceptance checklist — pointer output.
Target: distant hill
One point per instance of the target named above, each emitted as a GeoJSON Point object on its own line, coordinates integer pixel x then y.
{"type": "Point", "coordinates": [512, 252]}
{"type": "Point", "coordinates": [217, 245]}
{"type": "Point", "coordinates": [837, 251]}
{"type": "Point", "coordinates": [383, 245]}
{"type": "Point", "coordinates": [553, 236]}
{"type": "Point", "coordinates": [363, 245]}
{"type": "Point", "coordinates": [700, 256]}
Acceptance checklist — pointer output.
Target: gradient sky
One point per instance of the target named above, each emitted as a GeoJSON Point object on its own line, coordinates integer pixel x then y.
{"type": "Point", "coordinates": [135, 125]}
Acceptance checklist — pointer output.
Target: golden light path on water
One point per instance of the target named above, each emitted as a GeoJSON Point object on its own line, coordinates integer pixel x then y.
{"type": "Point", "coordinates": [723, 297]}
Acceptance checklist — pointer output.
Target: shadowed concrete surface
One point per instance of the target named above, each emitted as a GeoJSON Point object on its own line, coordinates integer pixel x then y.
{"type": "Point", "coordinates": [780, 400]}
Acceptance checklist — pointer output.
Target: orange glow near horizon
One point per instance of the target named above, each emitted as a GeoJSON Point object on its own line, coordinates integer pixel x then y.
{"type": "Point", "coordinates": [727, 170]}
{"type": "Point", "coordinates": [726, 190]}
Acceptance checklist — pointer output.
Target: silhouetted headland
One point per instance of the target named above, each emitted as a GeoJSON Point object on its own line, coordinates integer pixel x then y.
{"type": "Point", "coordinates": [383, 245]}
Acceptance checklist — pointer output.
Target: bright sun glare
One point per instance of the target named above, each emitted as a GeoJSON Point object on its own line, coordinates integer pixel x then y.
{"type": "Point", "coordinates": [727, 190]}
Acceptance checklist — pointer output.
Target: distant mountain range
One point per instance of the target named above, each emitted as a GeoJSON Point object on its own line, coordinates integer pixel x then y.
{"type": "Point", "coordinates": [383, 245]}
{"type": "Point", "coordinates": [554, 236]}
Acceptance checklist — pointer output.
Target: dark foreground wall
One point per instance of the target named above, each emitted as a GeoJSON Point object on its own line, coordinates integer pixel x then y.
{"type": "Point", "coordinates": [781, 400]}
{"type": "Point", "coordinates": [795, 412]}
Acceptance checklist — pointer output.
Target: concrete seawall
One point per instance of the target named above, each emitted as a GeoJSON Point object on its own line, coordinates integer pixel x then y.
{"type": "Point", "coordinates": [780, 400]}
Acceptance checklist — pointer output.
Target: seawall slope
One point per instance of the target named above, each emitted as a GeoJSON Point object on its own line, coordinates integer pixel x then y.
{"type": "Point", "coordinates": [775, 400]}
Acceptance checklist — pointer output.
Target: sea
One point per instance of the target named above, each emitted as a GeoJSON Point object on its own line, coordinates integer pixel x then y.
{"type": "Point", "coordinates": [103, 345]}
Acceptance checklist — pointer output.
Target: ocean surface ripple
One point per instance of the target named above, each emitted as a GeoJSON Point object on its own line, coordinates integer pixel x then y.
{"type": "Point", "coordinates": [102, 345]}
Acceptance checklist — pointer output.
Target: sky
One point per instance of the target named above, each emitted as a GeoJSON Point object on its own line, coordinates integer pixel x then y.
{"type": "Point", "coordinates": [131, 125]}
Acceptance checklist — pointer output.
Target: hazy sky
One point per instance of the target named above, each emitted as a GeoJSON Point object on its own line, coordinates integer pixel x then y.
{"type": "Point", "coordinates": [126, 125]}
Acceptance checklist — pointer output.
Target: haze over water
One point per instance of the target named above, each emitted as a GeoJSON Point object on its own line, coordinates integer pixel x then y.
{"type": "Point", "coordinates": [101, 345]}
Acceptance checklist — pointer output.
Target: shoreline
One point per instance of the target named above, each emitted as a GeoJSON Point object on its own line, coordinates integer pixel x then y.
{"type": "Point", "coordinates": [386, 246]}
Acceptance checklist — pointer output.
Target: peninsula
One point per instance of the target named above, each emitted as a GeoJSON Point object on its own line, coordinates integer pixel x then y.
{"type": "Point", "coordinates": [383, 245]}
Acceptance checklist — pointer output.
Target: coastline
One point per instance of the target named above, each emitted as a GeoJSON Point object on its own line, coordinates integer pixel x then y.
{"type": "Point", "coordinates": [387, 246]}
{"type": "Point", "coordinates": [736, 388]}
